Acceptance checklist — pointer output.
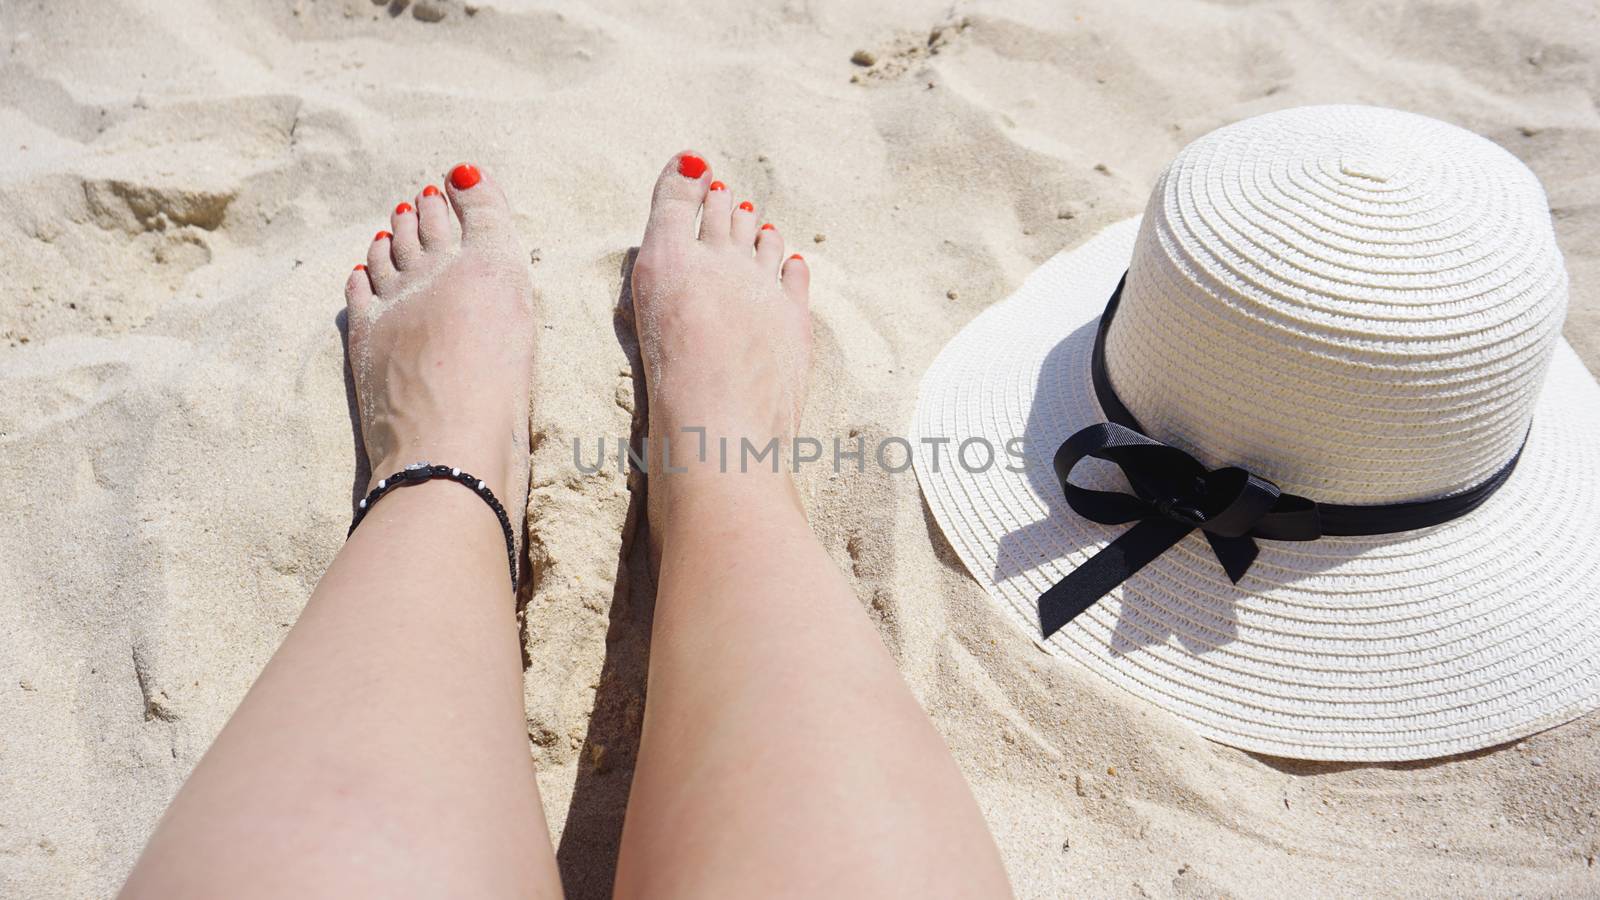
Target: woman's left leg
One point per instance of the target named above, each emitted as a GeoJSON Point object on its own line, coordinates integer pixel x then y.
{"type": "Point", "coordinates": [383, 751]}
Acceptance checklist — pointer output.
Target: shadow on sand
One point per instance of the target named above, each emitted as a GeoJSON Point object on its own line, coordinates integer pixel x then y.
{"type": "Point", "coordinates": [363, 471]}
{"type": "Point", "coordinates": [593, 831]}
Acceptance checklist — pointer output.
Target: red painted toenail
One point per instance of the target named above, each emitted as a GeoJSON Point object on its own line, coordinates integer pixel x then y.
{"type": "Point", "coordinates": [798, 257]}
{"type": "Point", "coordinates": [402, 209]}
{"type": "Point", "coordinates": [430, 191]}
{"type": "Point", "coordinates": [747, 206]}
{"type": "Point", "coordinates": [691, 166]}
{"type": "Point", "coordinates": [718, 186]}
{"type": "Point", "coordinates": [465, 176]}
{"type": "Point", "coordinates": [381, 236]}
{"type": "Point", "coordinates": [360, 267]}
{"type": "Point", "coordinates": [769, 227]}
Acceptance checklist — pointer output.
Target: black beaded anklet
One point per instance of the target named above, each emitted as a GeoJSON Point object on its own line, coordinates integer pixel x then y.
{"type": "Point", "coordinates": [417, 473]}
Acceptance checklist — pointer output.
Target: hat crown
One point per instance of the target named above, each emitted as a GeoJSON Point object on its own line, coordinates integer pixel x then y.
{"type": "Point", "coordinates": [1357, 303]}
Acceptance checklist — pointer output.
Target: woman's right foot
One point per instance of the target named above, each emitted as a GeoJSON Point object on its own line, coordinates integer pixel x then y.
{"type": "Point", "coordinates": [724, 327]}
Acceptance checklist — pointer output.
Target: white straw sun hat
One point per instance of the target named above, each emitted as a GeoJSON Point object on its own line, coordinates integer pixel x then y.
{"type": "Point", "coordinates": [1362, 308]}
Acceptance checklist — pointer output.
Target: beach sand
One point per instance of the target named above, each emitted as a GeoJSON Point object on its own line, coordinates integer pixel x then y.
{"type": "Point", "coordinates": [186, 184]}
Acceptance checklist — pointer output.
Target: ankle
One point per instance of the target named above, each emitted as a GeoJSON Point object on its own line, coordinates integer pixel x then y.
{"type": "Point", "coordinates": [705, 494]}
{"type": "Point", "coordinates": [721, 447]}
{"type": "Point", "coordinates": [499, 472]}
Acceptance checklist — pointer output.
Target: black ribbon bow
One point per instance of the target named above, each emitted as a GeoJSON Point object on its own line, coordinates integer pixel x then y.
{"type": "Point", "coordinates": [1173, 494]}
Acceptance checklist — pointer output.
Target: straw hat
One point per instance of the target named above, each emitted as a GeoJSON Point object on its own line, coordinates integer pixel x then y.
{"type": "Point", "coordinates": [1338, 321]}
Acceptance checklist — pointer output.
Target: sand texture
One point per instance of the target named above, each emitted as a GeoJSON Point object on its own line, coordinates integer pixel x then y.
{"type": "Point", "coordinates": [186, 183]}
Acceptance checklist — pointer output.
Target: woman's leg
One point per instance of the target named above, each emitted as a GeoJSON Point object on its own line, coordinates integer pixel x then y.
{"type": "Point", "coordinates": [782, 753]}
{"type": "Point", "coordinates": [383, 750]}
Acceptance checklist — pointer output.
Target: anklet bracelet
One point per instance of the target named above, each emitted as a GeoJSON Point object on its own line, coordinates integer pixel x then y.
{"type": "Point", "coordinates": [417, 473]}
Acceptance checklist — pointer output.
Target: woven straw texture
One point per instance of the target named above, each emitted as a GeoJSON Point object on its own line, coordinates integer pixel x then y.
{"type": "Point", "coordinates": [1364, 306]}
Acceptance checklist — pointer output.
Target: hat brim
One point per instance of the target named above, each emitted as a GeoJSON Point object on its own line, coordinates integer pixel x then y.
{"type": "Point", "coordinates": [1394, 647]}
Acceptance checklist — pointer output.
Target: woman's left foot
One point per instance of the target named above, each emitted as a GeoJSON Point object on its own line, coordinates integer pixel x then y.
{"type": "Point", "coordinates": [441, 338]}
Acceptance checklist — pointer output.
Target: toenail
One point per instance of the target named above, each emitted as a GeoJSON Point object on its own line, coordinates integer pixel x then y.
{"type": "Point", "coordinates": [381, 236]}
{"type": "Point", "coordinates": [768, 226]}
{"type": "Point", "coordinates": [797, 256]}
{"type": "Point", "coordinates": [402, 209]}
{"type": "Point", "coordinates": [430, 191]}
{"type": "Point", "coordinates": [465, 176]}
{"type": "Point", "coordinates": [691, 166]}
{"type": "Point", "coordinates": [718, 186]}
{"type": "Point", "coordinates": [747, 206]}
{"type": "Point", "coordinates": [361, 267]}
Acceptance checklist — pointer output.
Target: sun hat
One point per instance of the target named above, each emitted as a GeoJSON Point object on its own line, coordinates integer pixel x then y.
{"type": "Point", "coordinates": [1334, 474]}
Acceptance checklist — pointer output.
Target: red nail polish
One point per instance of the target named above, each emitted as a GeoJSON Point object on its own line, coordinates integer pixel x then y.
{"type": "Point", "coordinates": [769, 227]}
{"type": "Point", "coordinates": [430, 191]}
{"type": "Point", "coordinates": [747, 206]}
{"type": "Point", "coordinates": [797, 256]}
{"type": "Point", "coordinates": [381, 236]}
{"type": "Point", "coordinates": [718, 186]}
{"type": "Point", "coordinates": [691, 166]}
{"type": "Point", "coordinates": [402, 209]}
{"type": "Point", "coordinates": [465, 176]}
{"type": "Point", "coordinates": [361, 267]}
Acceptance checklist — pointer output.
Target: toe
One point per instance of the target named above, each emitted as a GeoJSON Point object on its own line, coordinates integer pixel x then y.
{"type": "Point", "coordinates": [680, 189]}
{"type": "Point", "coordinates": [714, 218]}
{"type": "Point", "coordinates": [797, 279]}
{"type": "Point", "coordinates": [380, 265]}
{"type": "Point", "coordinates": [406, 247]}
{"type": "Point", "coordinates": [433, 219]}
{"type": "Point", "coordinates": [769, 248]}
{"type": "Point", "coordinates": [742, 230]}
{"type": "Point", "coordinates": [479, 204]}
{"type": "Point", "coordinates": [358, 305]}
{"type": "Point", "coordinates": [358, 289]}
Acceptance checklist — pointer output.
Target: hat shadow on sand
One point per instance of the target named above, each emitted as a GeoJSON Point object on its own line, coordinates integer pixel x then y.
{"type": "Point", "coordinates": [1020, 550]}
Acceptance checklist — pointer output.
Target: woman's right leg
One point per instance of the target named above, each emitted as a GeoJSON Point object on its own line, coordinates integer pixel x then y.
{"type": "Point", "coordinates": [782, 752]}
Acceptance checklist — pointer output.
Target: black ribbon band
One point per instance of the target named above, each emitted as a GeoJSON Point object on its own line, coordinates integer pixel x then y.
{"type": "Point", "coordinates": [1173, 494]}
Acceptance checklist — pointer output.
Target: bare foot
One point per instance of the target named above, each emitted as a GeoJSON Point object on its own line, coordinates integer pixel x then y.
{"type": "Point", "coordinates": [441, 338]}
{"type": "Point", "coordinates": [724, 327]}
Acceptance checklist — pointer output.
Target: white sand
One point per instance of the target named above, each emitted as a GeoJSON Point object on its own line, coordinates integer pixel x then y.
{"type": "Point", "coordinates": [186, 183]}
